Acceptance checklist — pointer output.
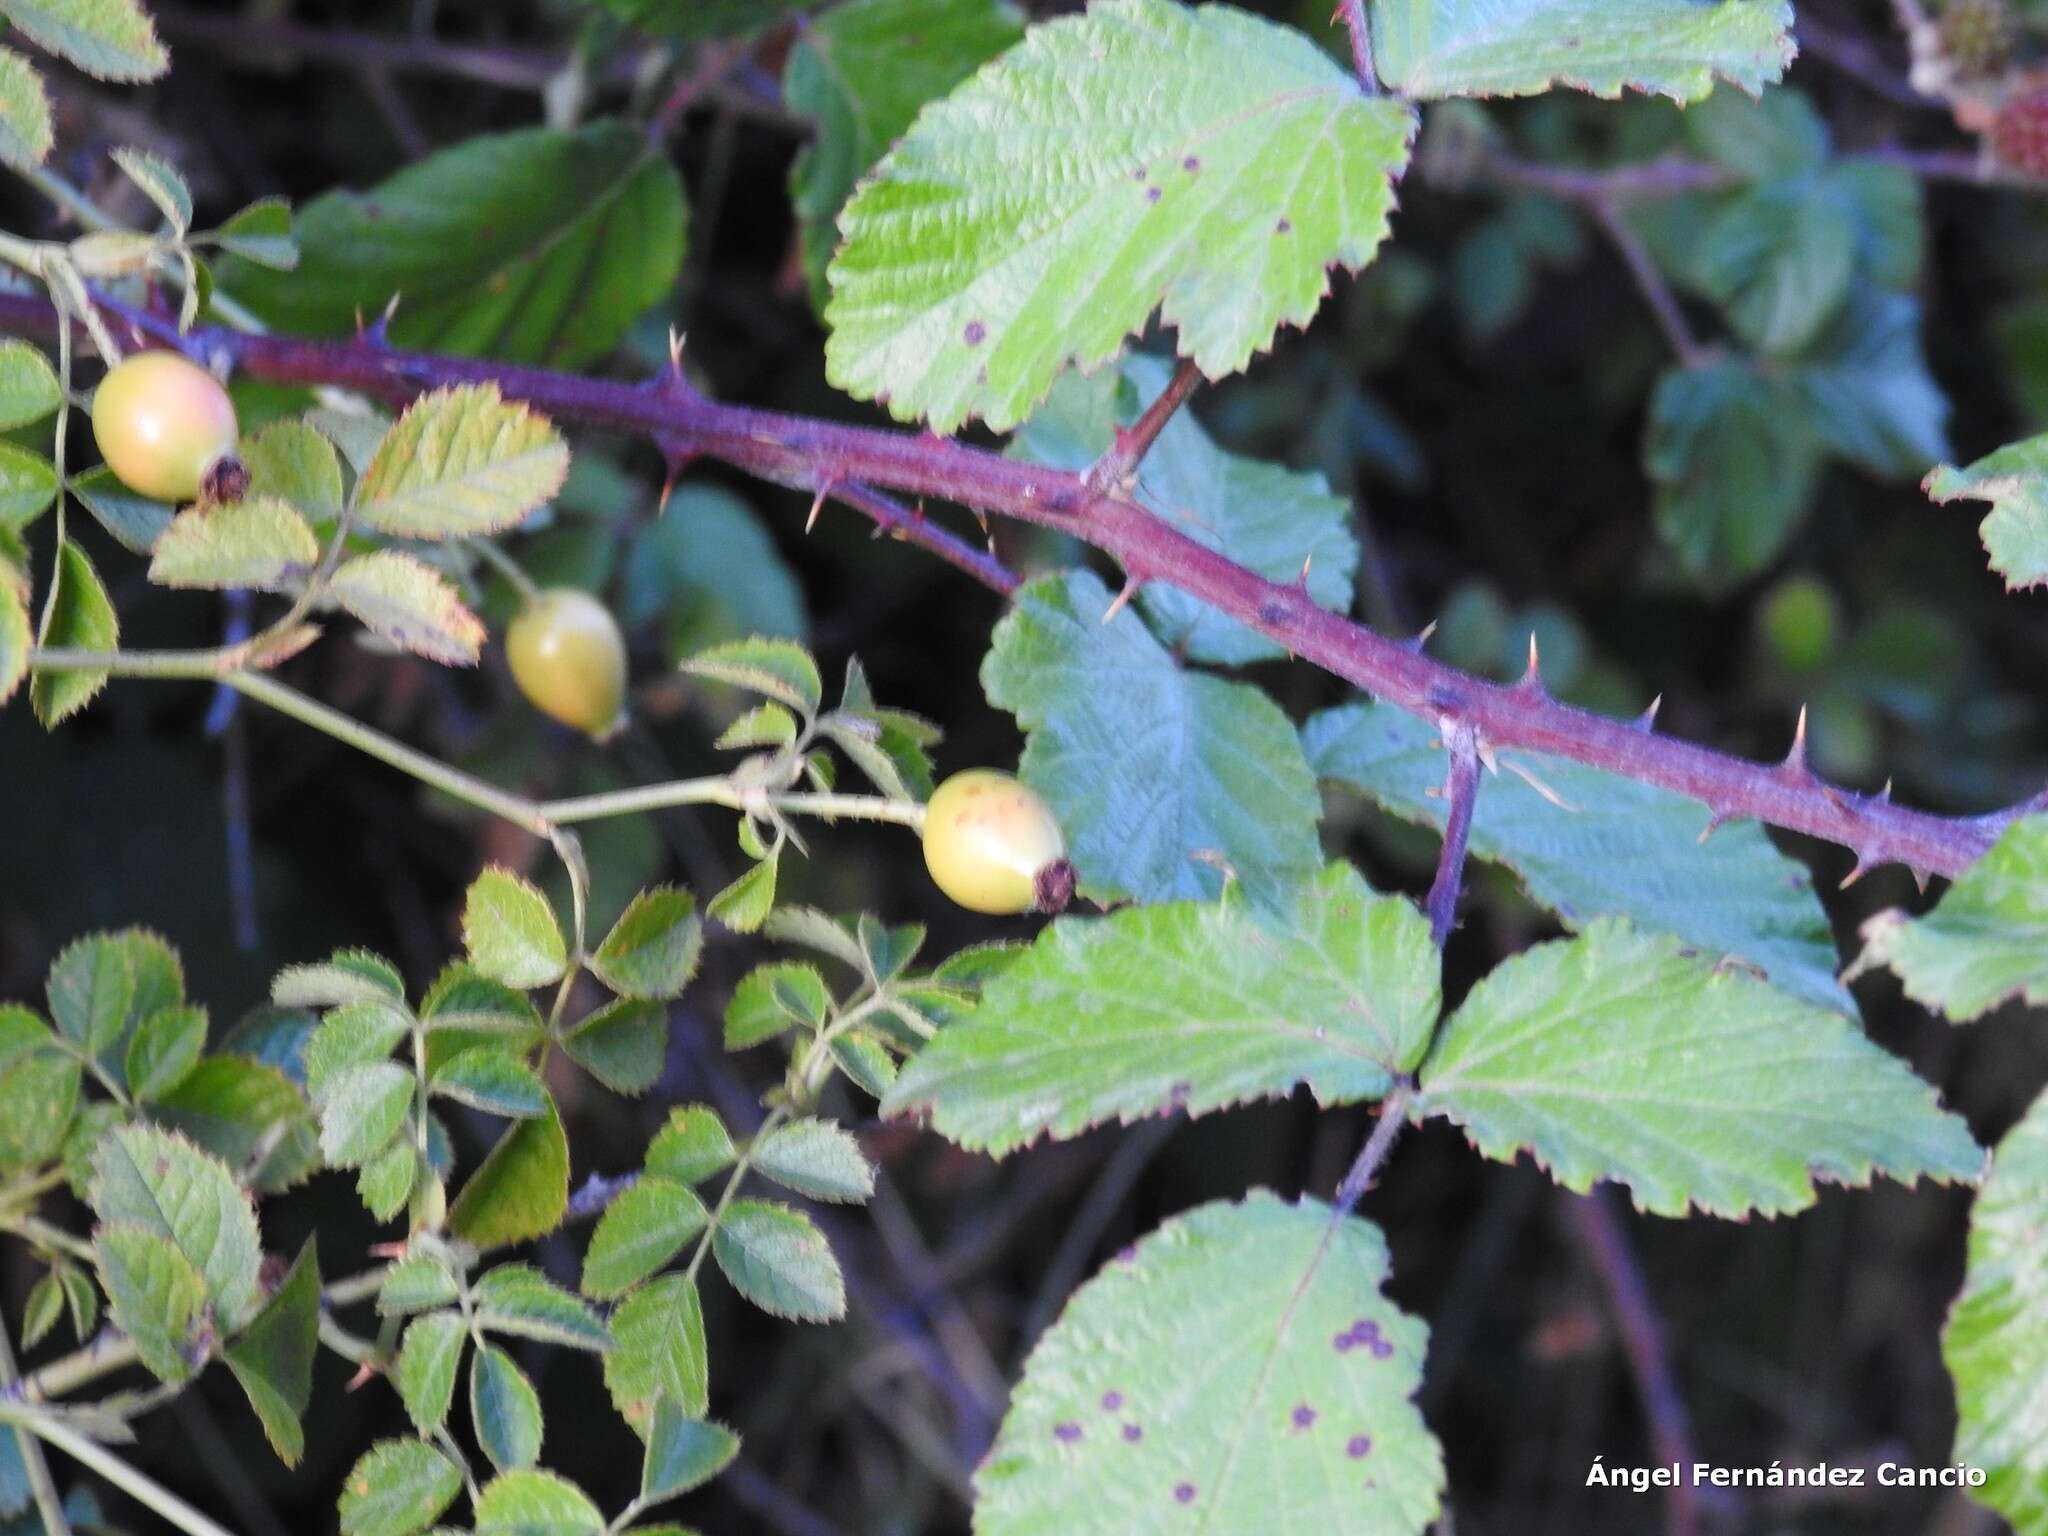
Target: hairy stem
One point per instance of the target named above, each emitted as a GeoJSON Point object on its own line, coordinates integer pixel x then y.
{"type": "Point", "coordinates": [1461, 793]}
{"type": "Point", "coordinates": [811, 454]}
{"type": "Point", "coordinates": [1364, 1168]}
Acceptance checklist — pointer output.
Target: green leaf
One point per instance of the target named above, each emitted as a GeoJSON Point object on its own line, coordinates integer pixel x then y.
{"type": "Point", "coordinates": [135, 522]}
{"type": "Point", "coordinates": [1626, 1056]}
{"type": "Point", "coordinates": [2014, 481]}
{"type": "Point", "coordinates": [461, 461]}
{"type": "Point", "coordinates": [744, 905]}
{"type": "Point", "coordinates": [851, 73]}
{"type": "Point", "coordinates": [29, 390]}
{"type": "Point", "coordinates": [492, 1080]}
{"type": "Point", "coordinates": [1734, 457]}
{"type": "Point", "coordinates": [257, 542]}
{"type": "Point", "coordinates": [1238, 1370]}
{"type": "Point", "coordinates": [652, 949]}
{"type": "Point", "coordinates": [1675, 48]}
{"type": "Point", "coordinates": [166, 1047]}
{"type": "Point", "coordinates": [398, 1487]}
{"type": "Point", "coordinates": [773, 998]}
{"type": "Point", "coordinates": [463, 1008]}
{"type": "Point", "coordinates": [1276, 521]}
{"type": "Point", "coordinates": [157, 1296]}
{"type": "Point", "coordinates": [536, 246]}
{"type": "Point", "coordinates": [660, 1356]}
{"type": "Point", "coordinates": [640, 1231]}
{"type": "Point", "coordinates": [427, 1362]}
{"type": "Point", "coordinates": [623, 1045]}
{"type": "Point", "coordinates": [385, 1182]}
{"type": "Point", "coordinates": [1158, 775]}
{"type": "Point", "coordinates": [520, 1191]}
{"type": "Point", "coordinates": [1185, 1006]}
{"type": "Point", "coordinates": [39, 1314]}
{"type": "Point", "coordinates": [780, 1261]}
{"type": "Point", "coordinates": [1865, 387]}
{"type": "Point", "coordinates": [816, 1158]}
{"type": "Point", "coordinates": [691, 1147]}
{"type": "Point", "coordinates": [504, 1409]}
{"type": "Point", "coordinates": [160, 182]}
{"type": "Point", "coordinates": [108, 39]}
{"type": "Point", "coordinates": [683, 1453]}
{"type": "Point", "coordinates": [362, 1109]}
{"type": "Point", "coordinates": [38, 1089]}
{"type": "Point", "coordinates": [781, 669]}
{"type": "Point", "coordinates": [91, 989]}
{"type": "Point", "coordinates": [1996, 1341]}
{"type": "Point", "coordinates": [15, 634]}
{"type": "Point", "coordinates": [157, 1181]}
{"type": "Point", "coordinates": [25, 132]}
{"type": "Point", "coordinates": [353, 1035]}
{"type": "Point", "coordinates": [1612, 848]}
{"type": "Point", "coordinates": [509, 931]}
{"type": "Point", "coordinates": [954, 294]}
{"type": "Point", "coordinates": [1985, 942]}
{"type": "Point", "coordinates": [518, 1300]}
{"type": "Point", "coordinates": [418, 1283]}
{"type": "Point", "coordinates": [248, 1114]}
{"type": "Point", "coordinates": [534, 1503]}
{"type": "Point", "coordinates": [347, 976]}
{"type": "Point", "coordinates": [273, 1357]}
{"type": "Point", "coordinates": [292, 460]}
{"type": "Point", "coordinates": [708, 571]}
{"type": "Point", "coordinates": [261, 233]}
{"type": "Point", "coordinates": [1780, 258]}
{"type": "Point", "coordinates": [80, 617]}
{"type": "Point", "coordinates": [28, 484]}
{"type": "Point", "coordinates": [409, 605]}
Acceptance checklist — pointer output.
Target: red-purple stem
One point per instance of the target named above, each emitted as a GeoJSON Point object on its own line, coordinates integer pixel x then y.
{"type": "Point", "coordinates": [1461, 793]}
{"type": "Point", "coordinates": [1642, 1339]}
{"type": "Point", "coordinates": [1115, 469]}
{"type": "Point", "coordinates": [813, 455]}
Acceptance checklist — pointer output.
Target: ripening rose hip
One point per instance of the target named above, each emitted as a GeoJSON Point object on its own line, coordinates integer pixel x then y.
{"type": "Point", "coordinates": [569, 659]}
{"type": "Point", "coordinates": [167, 429]}
{"type": "Point", "coordinates": [993, 846]}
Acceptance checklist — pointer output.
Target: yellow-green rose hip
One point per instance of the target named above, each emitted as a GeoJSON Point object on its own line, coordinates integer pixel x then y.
{"type": "Point", "coordinates": [167, 429]}
{"type": "Point", "coordinates": [993, 845]}
{"type": "Point", "coordinates": [569, 659]}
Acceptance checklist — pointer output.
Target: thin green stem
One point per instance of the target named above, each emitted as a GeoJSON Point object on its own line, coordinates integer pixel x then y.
{"type": "Point", "coordinates": [40, 1483]}
{"type": "Point", "coordinates": [506, 567]}
{"type": "Point", "coordinates": [732, 1188]}
{"type": "Point", "coordinates": [97, 1458]}
{"type": "Point", "coordinates": [26, 1193]}
{"type": "Point", "coordinates": [723, 792]}
{"type": "Point", "coordinates": [44, 1235]}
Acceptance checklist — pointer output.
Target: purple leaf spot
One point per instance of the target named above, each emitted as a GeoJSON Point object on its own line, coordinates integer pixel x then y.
{"type": "Point", "coordinates": [975, 334]}
{"type": "Point", "coordinates": [1344, 1343]}
{"type": "Point", "coordinates": [1381, 1349]}
{"type": "Point", "coordinates": [1192, 163]}
{"type": "Point", "coordinates": [1066, 1433]}
{"type": "Point", "coordinates": [1357, 1446]}
{"type": "Point", "coordinates": [1285, 227]}
{"type": "Point", "coordinates": [1184, 1493]}
{"type": "Point", "coordinates": [1133, 1433]}
{"type": "Point", "coordinates": [1303, 1416]}
{"type": "Point", "coordinates": [1151, 194]}
{"type": "Point", "coordinates": [1111, 1401]}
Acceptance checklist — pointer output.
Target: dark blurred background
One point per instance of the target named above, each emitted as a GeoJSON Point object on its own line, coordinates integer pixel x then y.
{"type": "Point", "coordinates": [1484, 401]}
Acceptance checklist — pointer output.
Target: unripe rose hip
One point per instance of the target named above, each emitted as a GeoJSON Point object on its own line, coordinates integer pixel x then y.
{"type": "Point", "coordinates": [167, 429]}
{"type": "Point", "coordinates": [569, 659]}
{"type": "Point", "coordinates": [993, 845]}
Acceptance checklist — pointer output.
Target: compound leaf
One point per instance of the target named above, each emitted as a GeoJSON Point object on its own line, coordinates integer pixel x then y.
{"type": "Point", "coordinates": [1626, 1056]}
{"type": "Point", "coordinates": [1185, 1006]}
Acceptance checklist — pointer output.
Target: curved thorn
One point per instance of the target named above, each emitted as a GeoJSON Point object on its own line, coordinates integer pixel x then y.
{"type": "Point", "coordinates": [1647, 720]}
{"type": "Point", "coordinates": [1123, 598]}
{"type": "Point", "coordinates": [1795, 760]}
{"type": "Point", "coordinates": [1532, 677]}
{"type": "Point", "coordinates": [1863, 867]}
{"type": "Point", "coordinates": [1301, 581]}
{"type": "Point", "coordinates": [817, 506]}
{"type": "Point", "coordinates": [1715, 821]}
{"type": "Point", "coordinates": [1920, 877]}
